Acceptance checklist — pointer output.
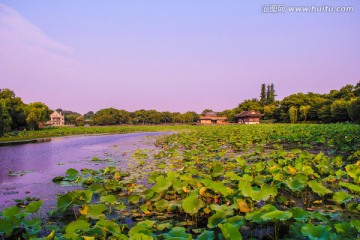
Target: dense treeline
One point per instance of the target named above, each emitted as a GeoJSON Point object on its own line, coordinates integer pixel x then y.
{"type": "Point", "coordinates": [337, 106]}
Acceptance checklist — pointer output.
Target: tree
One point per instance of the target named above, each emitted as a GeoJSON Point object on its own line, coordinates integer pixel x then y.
{"type": "Point", "coordinates": [206, 111]}
{"type": "Point", "coordinates": [304, 110]}
{"type": "Point", "coordinates": [166, 117]}
{"type": "Point", "coordinates": [5, 119]}
{"type": "Point", "coordinates": [263, 95]}
{"type": "Point", "coordinates": [107, 116]}
{"type": "Point", "coordinates": [293, 114]}
{"type": "Point", "coordinates": [88, 115]}
{"type": "Point", "coordinates": [271, 98]}
{"type": "Point", "coordinates": [353, 108]}
{"type": "Point", "coordinates": [15, 108]}
{"type": "Point", "coordinates": [32, 121]}
{"type": "Point", "coordinates": [36, 113]}
{"type": "Point", "coordinates": [339, 110]}
{"type": "Point", "coordinates": [269, 111]}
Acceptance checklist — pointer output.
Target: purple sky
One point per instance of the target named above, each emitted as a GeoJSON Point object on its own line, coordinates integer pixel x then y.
{"type": "Point", "coordinates": [172, 55]}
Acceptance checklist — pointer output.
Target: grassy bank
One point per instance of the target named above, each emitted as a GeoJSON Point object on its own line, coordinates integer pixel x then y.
{"type": "Point", "coordinates": [17, 136]}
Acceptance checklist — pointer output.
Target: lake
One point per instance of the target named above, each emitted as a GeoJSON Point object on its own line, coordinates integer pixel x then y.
{"type": "Point", "coordinates": [28, 169]}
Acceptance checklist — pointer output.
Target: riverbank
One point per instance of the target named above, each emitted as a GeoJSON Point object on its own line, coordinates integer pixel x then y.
{"type": "Point", "coordinates": [18, 137]}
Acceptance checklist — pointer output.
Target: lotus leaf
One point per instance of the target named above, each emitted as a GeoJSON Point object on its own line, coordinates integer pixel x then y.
{"type": "Point", "coordinates": [340, 197]}
{"type": "Point", "coordinates": [177, 233]}
{"type": "Point", "coordinates": [319, 232]}
{"type": "Point", "coordinates": [192, 204]}
{"type": "Point", "coordinates": [109, 199]}
{"type": "Point", "coordinates": [206, 235]}
{"type": "Point", "coordinates": [72, 230]}
{"type": "Point", "coordinates": [352, 187]}
{"type": "Point", "coordinates": [33, 206]}
{"type": "Point", "coordinates": [162, 184]}
{"type": "Point", "coordinates": [216, 219]}
{"type": "Point", "coordinates": [346, 230]}
{"type": "Point", "coordinates": [318, 188]}
{"type": "Point", "coordinates": [277, 215]}
{"type": "Point", "coordinates": [299, 214]}
{"type": "Point", "coordinates": [230, 232]}
{"type": "Point", "coordinates": [95, 211]}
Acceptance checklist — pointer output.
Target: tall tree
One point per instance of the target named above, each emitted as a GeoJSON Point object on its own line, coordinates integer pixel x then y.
{"type": "Point", "coordinates": [267, 93]}
{"type": "Point", "coordinates": [293, 114]}
{"type": "Point", "coordinates": [304, 110]}
{"type": "Point", "coordinates": [5, 119]}
{"type": "Point", "coordinates": [263, 95]}
{"type": "Point", "coordinates": [271, 98]}
{"type": "Point", "coordinates": [15, 108]}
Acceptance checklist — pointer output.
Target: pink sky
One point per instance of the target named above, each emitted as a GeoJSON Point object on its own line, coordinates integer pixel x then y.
{"type": "Point", "coordinates": [171, 55]}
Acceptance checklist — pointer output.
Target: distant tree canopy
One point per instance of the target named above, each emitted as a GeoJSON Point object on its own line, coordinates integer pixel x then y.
{"type": "Point", "coordinates": [336, 106]}
{"type": "Point", "coordinates": [15, 115]}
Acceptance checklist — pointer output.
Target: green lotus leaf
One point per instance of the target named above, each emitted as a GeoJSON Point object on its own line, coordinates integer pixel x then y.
{"type": "Point", "coordinates": [134, 199]}
{"type": "Point", "coordinates": [178, 185]}
{"type": "Point", "coordinates": [164, 226]}
{"type": "Point", "coordinates": [240, 161]}
{"type": "Point", "coordinates": [216, 219]}
{"type": "Point", "coordinates": [277, 215]}
{"type": "Point", "coordinates": [6, 227]}
{"type": "Point", "coordinates": [256, 215]}
{"type": "Point", "coordinates": [33, 206]}
{"type": "Point", "coordinates": [318, 188]}
{"type": "Point", "coordinates": [319, 232]}
{"type": "Point", "coordinates": [346, 230]}
{"type": "Point", "coordinates": [217, 187]}
{"type": "Point", "coordinates": [356, 224]}
{"type": "Point", "coordinates": [298, 183]}
{"type": "Point", "coordinates": [352, 187]}
{"type": "Point", "coordinates": [318, 216]}
{"type": "Point", "coordinates": [140, 229]}
{"type": "Point", "coordinates": [71, 174]}
{"type": "Point", "coordinates": [74, 227]}
{"type": "Point", "coordinates": [232, 176]}
{"type": "Point", "coordinates": [178, 233]}
{"type": "Point", "coordinates": [81, 196]}
{"type": "Point", "coordinates": [299, 214]}
{"type": "Point", "coordinates": [261, 195]}
{"type": "Point", "coordinates": [236, 221]}
{"type": "Point", "coordinates": [229, 210]}
{"type": "Point", "coordinates": [148, 193]}
{"type": "Point", "coordinates": [295, 230]}
{"type": "Point", "coordinates": [141, 236]}
{"type": "Point", "coordinates": [95, 211]}
{"type": "Point", "coordinates": [161, 205]}
{"type": "Point", "coordinates": [121, 206]}
{"type": "Point", "coordinates": [230, 232]}
{"type": "Point", "coordinates": [340, 197]}
{"type": "Point", "coordinates": [162, 184]}
{"type": "Point", "coordinates": [109, 199]}
{"type": "Point", "coordinates": [217, 170]}
{"type": "Point", "coordinates": [206, 235]}
{"type": "Point", "coordinates": [10, 212]}
{"type": "Point", "coordinates": [192, 204]}
{"type": "Point", "coordinates": [109, 226]}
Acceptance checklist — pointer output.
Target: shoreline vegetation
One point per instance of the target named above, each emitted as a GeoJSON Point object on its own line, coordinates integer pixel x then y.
{"type": "Point", "coordinates": [51, 132]}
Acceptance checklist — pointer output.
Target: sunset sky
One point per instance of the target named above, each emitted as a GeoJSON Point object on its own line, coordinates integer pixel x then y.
{"type": "Point", "coordinates": [172, 55]}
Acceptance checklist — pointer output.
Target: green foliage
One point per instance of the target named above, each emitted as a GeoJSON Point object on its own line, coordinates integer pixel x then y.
{"type": "Point", "coordinates": [293, 114]}
{"type": "Point", "coordinates": [224, 181]}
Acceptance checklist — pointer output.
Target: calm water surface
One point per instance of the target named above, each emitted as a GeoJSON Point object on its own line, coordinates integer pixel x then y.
{"type": "Point", "coordinates": [41, 162]}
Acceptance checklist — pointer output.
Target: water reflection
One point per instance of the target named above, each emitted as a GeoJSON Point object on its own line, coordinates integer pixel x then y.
{"type": "Point", "coordinates": [49, 159]}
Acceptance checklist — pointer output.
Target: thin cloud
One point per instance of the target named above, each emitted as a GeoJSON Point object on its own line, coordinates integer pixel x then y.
{"type": "Point", "coordinates": [13, 26]}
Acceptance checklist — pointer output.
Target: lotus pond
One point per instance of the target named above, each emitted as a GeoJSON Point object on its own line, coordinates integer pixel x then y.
{"type": "Point", "coordinates": [212, 182]}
